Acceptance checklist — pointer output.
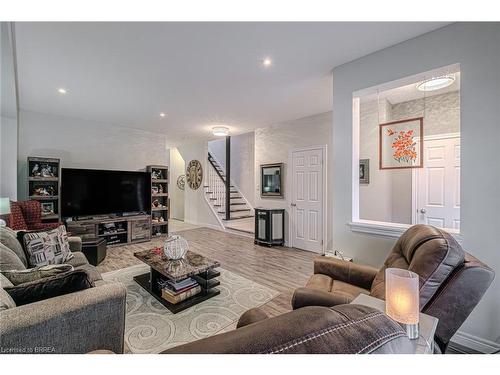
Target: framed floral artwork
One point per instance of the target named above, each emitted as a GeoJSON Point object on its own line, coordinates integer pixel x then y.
{"type": "Point", "coordinates": [400, 144]}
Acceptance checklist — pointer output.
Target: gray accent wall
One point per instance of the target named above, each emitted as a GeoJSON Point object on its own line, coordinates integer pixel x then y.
{"type": "Point", "coordinates": [476, 47]}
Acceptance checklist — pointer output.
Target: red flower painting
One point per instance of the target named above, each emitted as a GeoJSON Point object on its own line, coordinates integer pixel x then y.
{"type": "Point", "coordinates": [403, 146]}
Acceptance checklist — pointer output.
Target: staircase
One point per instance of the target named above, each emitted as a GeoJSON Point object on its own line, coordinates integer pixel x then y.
{"type": "Point", "coordinates": [241, 214]}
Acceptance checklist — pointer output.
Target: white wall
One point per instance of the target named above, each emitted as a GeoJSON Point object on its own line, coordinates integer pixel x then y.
{"type": "Point", "coordinates": [8, 158]}
{"type": "Point", "coordinates": [177, 167]}
{"type": "Point", "coordinates": [85, 144]}
{"type": "Point", "coordinates": [196, 208]}
{"type": "Point", "coordinates": [242, 162]}
{"type": "Point", "coordinates": [273, 145]}
{"type": "Point", "coordinates": [388, 196]}
{"type": "Point", "coordinates": [8, 119]}
{"type": "Point", "coordinates": [476, 47]}
{"type": "Point", "coordinates": [374, 198]}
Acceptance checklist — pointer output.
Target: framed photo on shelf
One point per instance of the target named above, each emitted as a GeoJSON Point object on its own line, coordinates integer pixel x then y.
{"type": "Point", "coordinates": [401, 144]}
{"type": "Point", "coordinates": [364, 171]}
{"type": "Point", "coordinates": [47, 208]}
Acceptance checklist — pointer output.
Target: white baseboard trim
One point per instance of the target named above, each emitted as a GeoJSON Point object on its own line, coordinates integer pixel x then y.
{"type": "Point", "coordinates": [475, 343]}
{"type": "Point", "coordinates": [212, 226]}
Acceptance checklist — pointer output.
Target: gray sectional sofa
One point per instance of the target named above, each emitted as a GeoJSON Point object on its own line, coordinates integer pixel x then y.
{"type": "Point", "coordinates": [78, 322]}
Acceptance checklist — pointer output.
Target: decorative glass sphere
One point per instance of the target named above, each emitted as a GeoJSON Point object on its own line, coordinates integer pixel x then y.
{"type": "Point", "coordinates": [175, 247]}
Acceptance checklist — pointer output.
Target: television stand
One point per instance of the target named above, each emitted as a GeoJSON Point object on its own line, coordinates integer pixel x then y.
{"type": "Point", "coordinates": [117, 231]}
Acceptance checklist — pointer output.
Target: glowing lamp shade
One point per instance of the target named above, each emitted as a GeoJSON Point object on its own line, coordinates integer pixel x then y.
{"type": "Point", "coordinates": [402, 297]}
{"type": "Point", "coordinates": [220, 131]}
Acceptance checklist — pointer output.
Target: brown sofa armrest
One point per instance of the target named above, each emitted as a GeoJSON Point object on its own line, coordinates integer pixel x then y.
{"type": "Point", "coordinates": [347, 272]}
{"type": "Point", "coordinates": [251, 316]}
{"type": "Point", "coordinates": [312, 297]}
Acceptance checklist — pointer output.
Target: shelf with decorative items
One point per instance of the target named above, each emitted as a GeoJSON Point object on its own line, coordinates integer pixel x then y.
{"type": "Point", "coordinates": [44, 185]}
{"type": "Point", "coordinates": [159, 199]}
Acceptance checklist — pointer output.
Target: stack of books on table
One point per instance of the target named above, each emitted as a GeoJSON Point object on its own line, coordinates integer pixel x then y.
{"type": "Point", "coordinates": [175, 292]}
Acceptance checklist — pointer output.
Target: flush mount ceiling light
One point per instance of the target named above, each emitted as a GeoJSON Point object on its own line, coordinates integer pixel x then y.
{"type": "Point", "coordinates": [220, 131]}
{"type": "Point", "coordinates": [62, 90]}
{"type": "Point", "coordinates": [436, 83]}
{"type": "Point", "coordinates": [267, 62]}
{"type": "Point", "coordinates": [162, 114]}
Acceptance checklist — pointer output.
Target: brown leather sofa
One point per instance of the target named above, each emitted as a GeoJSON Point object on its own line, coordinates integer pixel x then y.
{"type": "Point", "coordinates": [346, 329]}
{"type": "Point", "coordinates": [452, 282]}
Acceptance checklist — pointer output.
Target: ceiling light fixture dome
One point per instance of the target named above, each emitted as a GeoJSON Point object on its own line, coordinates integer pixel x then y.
{"type": "Point", "coordinates": [436, 83]}
{"type": "Point", "coordinates": [220, 131]}
{"type": "Point", "coordinates": [62, 90]}
{"type": "Point", "coordinates": [267, 62]}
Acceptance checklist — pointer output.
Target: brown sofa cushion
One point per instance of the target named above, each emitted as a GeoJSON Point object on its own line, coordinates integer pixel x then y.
{"type": "Point", "coordinates": [322, 290]}
{"type": "Point", "coordinates": [342, 329]}
{"type": "Point", "coordinates": [431, 253]}
{"type": "Point", "coordinates": [49, 287]}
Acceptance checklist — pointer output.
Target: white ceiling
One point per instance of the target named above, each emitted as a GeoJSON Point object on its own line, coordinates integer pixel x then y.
{"type": "Point", "coordinates": [199, 74]}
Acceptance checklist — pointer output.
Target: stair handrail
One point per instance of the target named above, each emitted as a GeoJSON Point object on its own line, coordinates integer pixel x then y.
{"type": "Point", "coordinates": [211, 161]}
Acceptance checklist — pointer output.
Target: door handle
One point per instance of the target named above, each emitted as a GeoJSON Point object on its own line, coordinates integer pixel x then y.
{"type": "Point", "coordinates": [293, 204]}
{"type": "Point", "coordinates": [423, 210]}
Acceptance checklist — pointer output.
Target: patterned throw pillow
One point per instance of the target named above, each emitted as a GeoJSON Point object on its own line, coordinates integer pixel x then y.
{"type": "Point", "coordinates": [48, 247]}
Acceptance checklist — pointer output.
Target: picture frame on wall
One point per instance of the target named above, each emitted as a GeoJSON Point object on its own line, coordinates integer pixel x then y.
{"type": "Point", "coordinates": [271, 180]}
{"type": "Point", "coordinates": [401, 144]}
{"type": "Point", "coordinates": [364, 171]}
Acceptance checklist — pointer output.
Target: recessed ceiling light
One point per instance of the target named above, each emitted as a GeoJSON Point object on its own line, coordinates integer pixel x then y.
{"type": "Point", "coordinates": [436, 83]}
{"type": "Point", "coordinates": [62, 90]}
{"type": "Point", "coordinates": [162, 114]}
{"type": "Point", "coordinates": [267, 62]}
{"type": "Point", "coordinates": [220, 131]}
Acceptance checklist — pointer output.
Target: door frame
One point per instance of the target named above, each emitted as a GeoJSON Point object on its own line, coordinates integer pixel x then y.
{"type": "Point", "coordinates": [414, 185]}
{"type": "Point", "coordinates": [289, 182]}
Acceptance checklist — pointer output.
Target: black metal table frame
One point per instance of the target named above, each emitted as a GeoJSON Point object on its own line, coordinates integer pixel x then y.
{"type": "Point", "coordinates": [206, 279]}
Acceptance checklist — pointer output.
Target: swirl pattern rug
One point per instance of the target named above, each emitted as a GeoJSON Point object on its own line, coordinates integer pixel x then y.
{"type": "Point", "coordinates": [151, 328]}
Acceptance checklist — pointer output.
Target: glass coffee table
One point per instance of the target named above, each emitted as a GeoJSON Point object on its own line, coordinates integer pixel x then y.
{"type": "Point", "coordinates": [193, 265]}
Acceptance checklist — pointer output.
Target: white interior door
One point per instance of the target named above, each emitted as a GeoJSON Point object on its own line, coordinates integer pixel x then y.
{"type": "Point", "coordinates": [438, 184]}
{"type": "Point", "coordinates": [307, 200]}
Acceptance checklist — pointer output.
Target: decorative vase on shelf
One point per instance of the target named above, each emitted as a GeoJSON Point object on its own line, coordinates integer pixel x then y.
{"type": "Point", "coordinates": [175, 247]}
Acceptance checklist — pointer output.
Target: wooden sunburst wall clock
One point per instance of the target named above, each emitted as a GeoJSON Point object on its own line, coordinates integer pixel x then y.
{"type": "Point", "coordinates": [194, 174]}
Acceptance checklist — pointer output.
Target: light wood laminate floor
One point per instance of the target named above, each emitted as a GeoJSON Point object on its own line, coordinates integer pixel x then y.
{"type": "Point", "coordinates": [280, 268]}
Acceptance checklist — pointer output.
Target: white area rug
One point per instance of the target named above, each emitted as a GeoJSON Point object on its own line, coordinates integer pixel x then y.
{"type": "Point", "coordinates": [151, 328]}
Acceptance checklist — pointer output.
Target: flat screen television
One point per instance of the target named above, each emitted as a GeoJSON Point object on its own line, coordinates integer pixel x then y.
{"type": "Point", "coordinates": [93, 192]}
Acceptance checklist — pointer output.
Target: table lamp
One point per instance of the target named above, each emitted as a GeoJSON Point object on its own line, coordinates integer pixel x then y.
{"type": "Point", "coordinates": [4, 210]}
{"type": "Point", "coordinates": [402, 299]}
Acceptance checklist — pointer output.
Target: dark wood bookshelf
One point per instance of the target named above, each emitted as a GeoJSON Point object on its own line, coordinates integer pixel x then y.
{"type": "Point", "coordinates": [159, 180]}
{"type": "Point", "coordinates": [43, 173]}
